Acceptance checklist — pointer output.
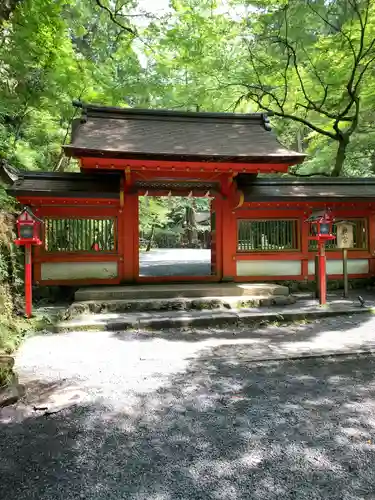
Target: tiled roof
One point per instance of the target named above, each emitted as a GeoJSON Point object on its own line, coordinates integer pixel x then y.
{"type": "Point", "coordinates": [73, 185]}
{"type": "Point", "coordinates": [313, 188]}
{"type": "Point", "coordinates": [184, 136]}
{"type": "Point", "coordinates": [107, 185]}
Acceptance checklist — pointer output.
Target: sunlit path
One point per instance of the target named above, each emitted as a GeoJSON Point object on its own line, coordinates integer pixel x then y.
{"type": "Point", "coordinates": [175, 262]}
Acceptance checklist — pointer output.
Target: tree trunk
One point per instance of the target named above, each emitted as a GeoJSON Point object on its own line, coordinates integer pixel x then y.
{"type": "Point", "coordinates": [372, 159]}
{"type": "Point", "coordinates": [299, 141]}
{"type": "Point", "coordinates": [191, 224]}
{"type": "Point", "coordinates": [7, 8]}
{"type": "Point", "coordinates": [149, 244]}
{"type": "Point", "coordinates": [61, 163]}
{"type": "Point", "coordinates": [340, 157]}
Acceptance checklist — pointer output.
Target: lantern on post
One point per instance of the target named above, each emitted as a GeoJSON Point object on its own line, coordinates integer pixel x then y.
{"type": "Point", "coordinates": [321, 224]}
{"type": "Point", "coordinates": [345, 240]}
{"type": "Point", "coordinates": [28, 230]}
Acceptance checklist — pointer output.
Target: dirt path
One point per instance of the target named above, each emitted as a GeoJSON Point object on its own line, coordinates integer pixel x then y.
{"type": "Point", "coordinates": [167, 419]}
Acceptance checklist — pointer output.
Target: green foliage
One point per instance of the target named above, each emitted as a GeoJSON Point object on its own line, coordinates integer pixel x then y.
{"type": "Point", "coordinates": [15, 328]}
{"type": "Point", "coordinates": [310, 61]}
{"type": "Point", "coordinates": [153, 211]}
{"type": "Point", "coordinates": [12, 327]}
{"type": "Point", "coordinates": [12, 332]}
{"type": "Point", "coordinates": [50, 54]}
{"type": "Point", "coordinates": [168, 212]}
{"type": "Point", "coordinates": [6, 376]}
{"type": "Point", "coordinates": [165, 219]}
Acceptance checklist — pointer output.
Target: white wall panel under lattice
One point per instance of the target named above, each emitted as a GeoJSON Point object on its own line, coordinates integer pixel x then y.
{"type": "Point", "coordinates": [355, 266]}
{"type": "Point", "coordinates": [268, 267]}
{"type": "Point", "coordinates": [78, 270]}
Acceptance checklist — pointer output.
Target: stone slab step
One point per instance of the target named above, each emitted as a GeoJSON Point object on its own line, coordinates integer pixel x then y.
{"type": "Point", "coordinates": [178, 319]}
{"type": "Point", "coordinates": [136, 292]}
{"type": "Point", "coordinates": [177, 304]}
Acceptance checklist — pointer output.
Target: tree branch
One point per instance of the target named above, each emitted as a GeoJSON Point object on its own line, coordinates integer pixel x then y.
{"type": "Point", "coordinates": [260, 85]}
{"type": "Point", "coordinates": [344, 106]}
{"type": "Point", "coordinates": [335, 28]}
{"type": "Point", "coordinates": [258, 100]}
{"type": "Point", "coordinates": [312, 105]}
{"type": "Point", "coordinates": [129, 30]}
{"type": "Point", "coordinates": [115, 20]}
{"type": "Point", "coordinates": [359, 55]}
{"type": "Point", "coordinates": [324, 85]}
{"type": "Point", "coordinates": [284, 76]}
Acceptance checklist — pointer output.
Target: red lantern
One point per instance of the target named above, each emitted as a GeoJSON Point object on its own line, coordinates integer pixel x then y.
{"type": "Point", "coordinates": [321, 231]}
{"type": "Point", "coordinates": [28, 229]}
{"type": "Point", "coordinates": [321, 226]}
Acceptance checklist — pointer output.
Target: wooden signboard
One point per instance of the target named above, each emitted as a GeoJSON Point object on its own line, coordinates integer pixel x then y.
{"type": "Point", "coordinates": [345, 240]}
{"type": "Point", "coordinates": [344, 236]}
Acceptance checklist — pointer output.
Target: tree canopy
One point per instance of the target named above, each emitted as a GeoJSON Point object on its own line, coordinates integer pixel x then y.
{"type": "Point", "coordinates": [309, 63]}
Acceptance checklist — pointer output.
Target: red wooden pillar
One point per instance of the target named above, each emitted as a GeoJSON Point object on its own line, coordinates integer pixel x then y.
{"type": "Point", "coordinates": [217, 237]}
{"type": "Point", "coordinates": [371, 241]}
{"type": "Point", "coordinates": [304, 235]}
{"type": "Point", "coordinates": [28, 281]}
{"type": "Point", "coordinates": [229, 239]}
{"type": "Point", "coordinates": [121, 231]}
{"type": "Point", "coordinates": [322, 273]}
{"type": "Point", "coordinates": [213, 236]}
{"type": "Point", "coordinates": [128, 239]}
{"type": "Point", "coordinates": [37, 252]}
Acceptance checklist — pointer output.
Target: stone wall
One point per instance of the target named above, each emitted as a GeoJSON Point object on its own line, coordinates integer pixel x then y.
{"type": "Point", "coordinates": [304, 286]}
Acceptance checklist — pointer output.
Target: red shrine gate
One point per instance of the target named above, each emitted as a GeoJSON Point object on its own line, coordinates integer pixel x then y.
{"type": "Point", "coordinates": [91, 230]}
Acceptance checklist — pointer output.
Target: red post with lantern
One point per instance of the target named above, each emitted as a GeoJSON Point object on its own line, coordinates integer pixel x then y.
{"type": "Point", "coordinates": [28, 230]}
{"type": "Point", "coordinates": [321, 231]}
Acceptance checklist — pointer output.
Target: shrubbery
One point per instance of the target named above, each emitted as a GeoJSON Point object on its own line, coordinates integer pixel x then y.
{"type": "Point", "coordinates": [12, 325]}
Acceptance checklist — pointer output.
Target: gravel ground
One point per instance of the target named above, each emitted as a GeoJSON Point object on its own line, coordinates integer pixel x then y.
{"type": "Point", "coordinates": [175, 262]}
{"type": "Point", "coordinates": [179, 416]}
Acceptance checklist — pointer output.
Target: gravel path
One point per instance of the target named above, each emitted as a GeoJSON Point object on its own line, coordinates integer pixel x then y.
{"type": "Point", "coordinates": [180, 416]}
{"type": "Point", "coordinates": [175, 262]}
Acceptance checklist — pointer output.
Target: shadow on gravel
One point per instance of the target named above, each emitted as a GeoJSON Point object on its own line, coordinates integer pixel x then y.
{"type": "Point", "coordinates": [266, 331]}
{"type": "Point", "coordinates": [224, 429]}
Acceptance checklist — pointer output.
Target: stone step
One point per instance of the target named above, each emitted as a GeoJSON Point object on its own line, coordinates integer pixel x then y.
{"type": "Point", "coordinates": [194, 319]}
{"type": "Point", "coordinates": [176, 304]}
{"type": "Point", "coordinates": [136, 292]}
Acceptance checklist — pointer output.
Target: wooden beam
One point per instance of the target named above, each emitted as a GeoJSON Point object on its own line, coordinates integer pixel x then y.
{"type": "Point", "coordinates": [171, 165]}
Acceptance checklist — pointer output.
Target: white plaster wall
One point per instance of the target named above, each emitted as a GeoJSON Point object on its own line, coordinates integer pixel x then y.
{"type": "Point", "coordinates": [268, 267]}
{"type": "Point", "coordinates": [78, 270]}
{"type": "Point", "coordinates": [355, 266]}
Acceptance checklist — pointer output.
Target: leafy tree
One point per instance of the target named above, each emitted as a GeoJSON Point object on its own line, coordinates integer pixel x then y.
{"type": "Point", "coordinates": [173, 215]}
{"type": "Point", "coordinates": [153, 213]}
{"type": "Point", "coordinates": [310, 61]}
{"type": "Point", "coordinates": [50, 54]}
{"type": "Point", "coordinates": [306, 61]}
